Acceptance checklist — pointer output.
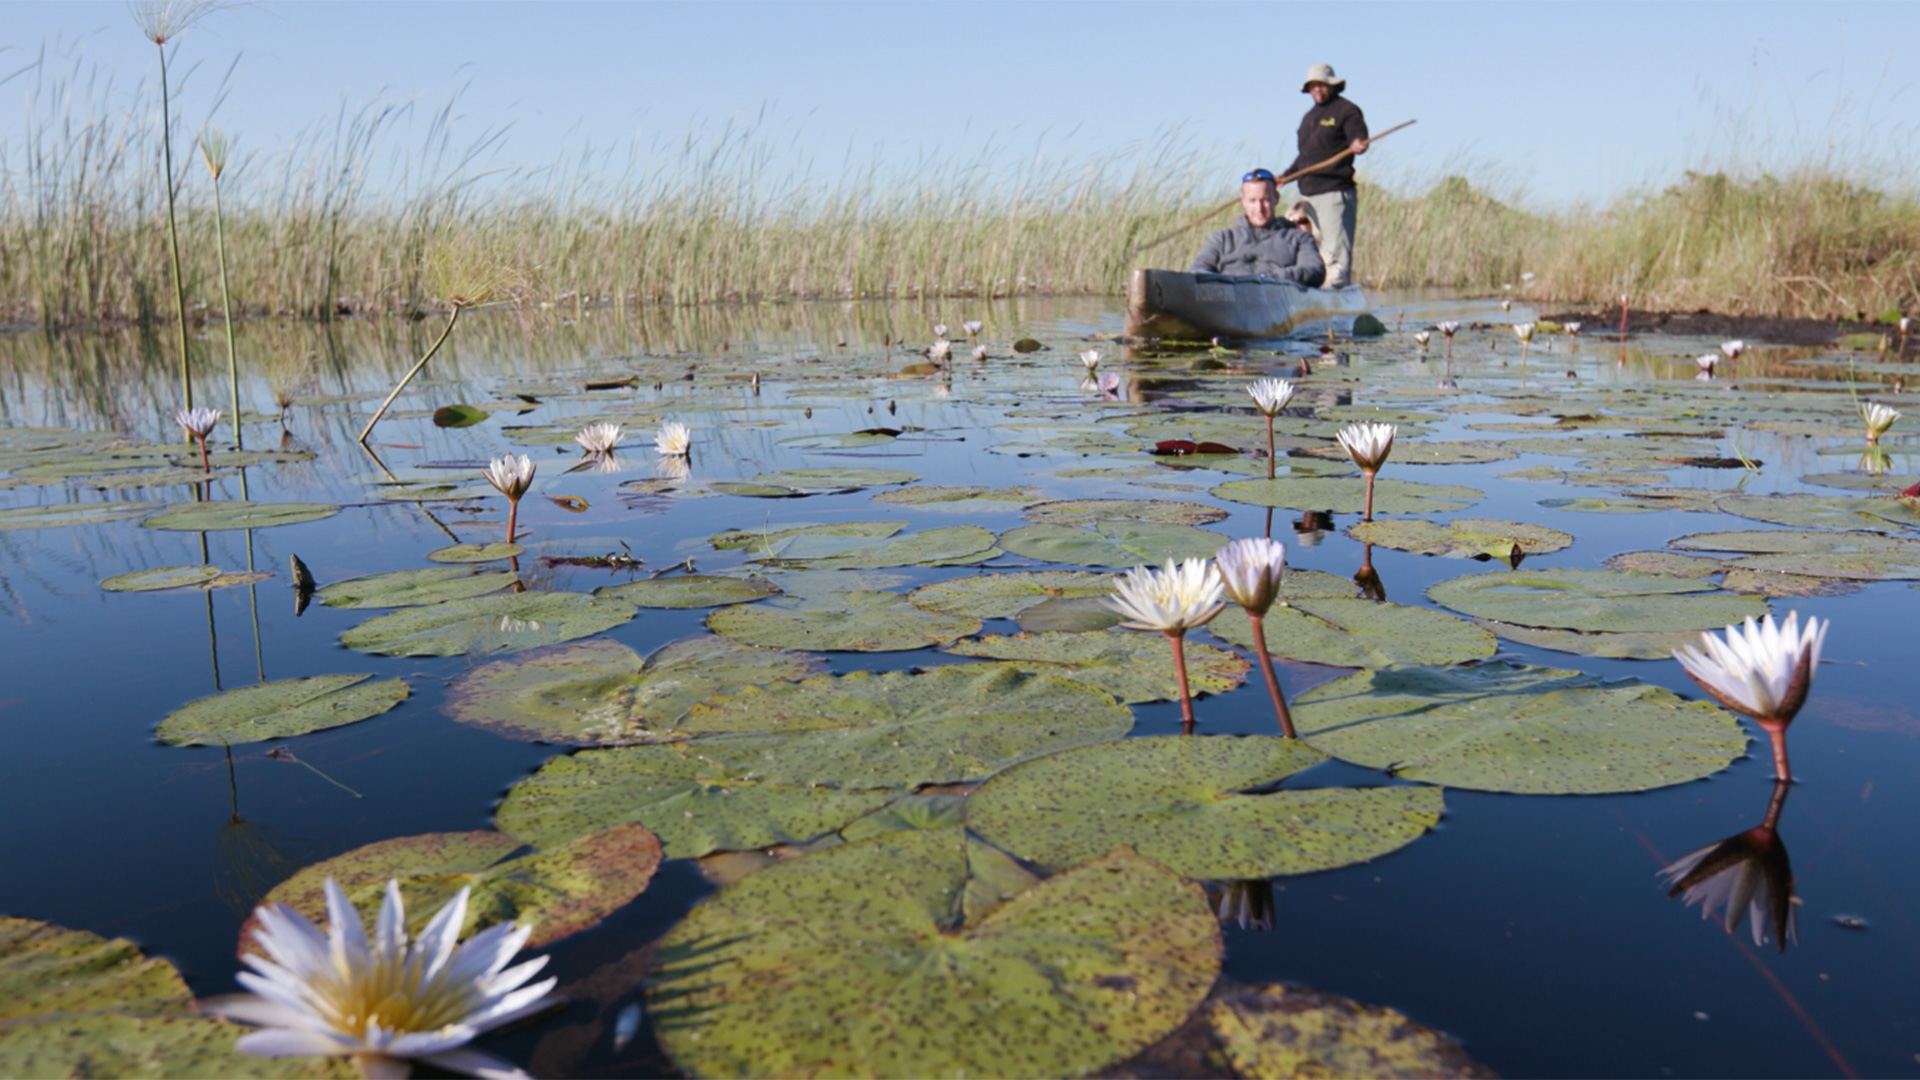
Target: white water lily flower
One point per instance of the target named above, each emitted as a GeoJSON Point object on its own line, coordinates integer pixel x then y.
{"type": "Point", "coordinates": [1762, 670]}
{"type": "Point", "coordinates": [1251, 571]}
{"type": "Point", "coordinates": [1422, 336]}
{"type": "Point", "coordinates": [673, 439]}
{"type": "Point", "coordinates": [972, 327]}
{"type": "Point", "coordinates": [1271, 395]}
{"type": "Point", "coordinates": [940, 350]}
{"type": "Point", "coordinates": [1110, 385]}
{"type": "Point", "coordinates": [387, 1001]}
{"type": "Point", "coordinates": [1523, 331]}
{"type": "Point", "coordinates": [1732, 349]}
{"type": "Point", "coordinates": [598, 439]}
{"type": "Point", "coordinates": [1449, 328]}
{"type": "Point", "coordinates": [197, 422]}
{"type": "Point", "coordinates": [1368, 444]}
{"type": "Point", "coordinates": [1572, 328]}
{"type": "Point", "coordinates": [1506, 305]}
{"type": "Point", "coordinates": [940, 330]}
{"type": "Point", "coordinates": [1526, 278]}
{"type": "Point", "coordinates": [1091, 358]}
{"type": "Point", "coordinates": [1707, 361]}
{"type": "Point", "coordinates": [1906, 322]}
{"type": "Point", "coordinates": [1173, 600]}
{"type": "Point", "coordinates": [1878, 418]}
{"type": "Point", "coordinates": [511, 475]}
{"type": "Point", "coordinates": [979, 352]}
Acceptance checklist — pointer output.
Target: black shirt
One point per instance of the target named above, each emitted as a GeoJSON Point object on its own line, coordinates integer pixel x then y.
{"type": "Point", "coordinates": [1325, 131]}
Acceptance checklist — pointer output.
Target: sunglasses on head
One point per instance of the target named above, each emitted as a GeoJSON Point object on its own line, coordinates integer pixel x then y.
{"type": "Point", "coordinates": [1257, 174]}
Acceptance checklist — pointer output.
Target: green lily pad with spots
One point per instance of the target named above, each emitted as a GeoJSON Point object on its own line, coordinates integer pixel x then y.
{"type": "Point", "coordinates": [406, 588]}
{"type": "Point", "coordinates": [839, 441]}
{"type": "Point", "coordinates": [475, 553]}
{"type": "Point", "coordinates": [1090, 511]}
{"type": "Point", "coordinates": [506, 623]}
{"type": "Point", "coordinates": [164, 577]}
{"type": "Point", "coordinates": [1419, 452]}
{"type": "Point", "coordinates": [1781, 585]}
{"type": "Point", "coordinates": [1078, 615]}
{"type": "Point", "coordinates": [146, 478]}
{"type": "Point", "coordinates": [214, 516]}
{"type": "Point", "coordinates": [556, 892]}
{"type": "Point", "coordinates": [1462, 537]}
{"type": "Point", "coordinates": [280, 710]}
{"type": "Point", "coordinates": [1824, 511]}
{"type": "Point", "coordinates": [601, 693]}
{"type": "Point", "coordinates": [1112, 543]}
{"type": "Point", "coordinates": [1516, 728]}
{"type": "Point", "coordinates": [1189, 803]}
{"type": "Point", "coordinates": [76, 1004]}
{"type": "Point", "coordinates": [1815, 565]}
{"type": "Point", "coordinates": [1351, 632]}
{"type": "Point", "coordinates": [947, 545]}
{"type": "Point", "coordinates": [774, 543]}
{"type": "Point", "coordinates": [956, 498]}
{"type": "Point", "coordinates": [1603, 504]}
{"type": "Point", "coordinates": [1348, 496]}
{"type": "Point", "coordinates": [863, 731]}
{"type": "Point", "coordinates": [1612, 601]}
{"type": "Point", "coordinates": [1248, 465]}
{"type": "Point", "coordinates": [834, 479]}
{"type": "Point", "coordinates": [691, 591]}
{"type": "Point", "coordinates": [1799, 542]}
{"type": "Point", "coordinates": [1878, 483]}
{"type": "Point", "coordinates": [1658, 645]}
{"type": "Point", "coordinates": [1134, 667]}
{"type": "Point", "coordinates": [63, 515]}
{"type": "Point", "coordinates": [855, 962]}
{"type": "Point", "coordinates": [1004, 596]}
{"type": "Point", "coordinates": [856, 621]}
{"type": "Point", "coordinates": [1665, 562]}
{"type": "Point", "coordinates": [1291, 1031]}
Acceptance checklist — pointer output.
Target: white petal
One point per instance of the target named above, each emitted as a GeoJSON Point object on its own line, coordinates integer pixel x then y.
{"type": "Point", "coordinates": [476, 1063]}
{"type": "Point", "coordinates": [259, 1011]}
{"type": "Point", "coordinates": [415, 1044]}
{"type": "Point", "coordinates": [523, 1002]}
{"type": "Point", "coordinates": [345, 934]}
{"type": "Point", "coordinates": [280, 1042]}
{"type": "Point", "coordinates": [442, 932]}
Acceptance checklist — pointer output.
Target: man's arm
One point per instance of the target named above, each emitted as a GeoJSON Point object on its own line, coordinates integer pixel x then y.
{"type": "Point", "coordinates": [1208, 261]}
{"type": "Point", "coordinates": [1356, 131]}
{"type": "Point", "coordinates": [1307, 268]}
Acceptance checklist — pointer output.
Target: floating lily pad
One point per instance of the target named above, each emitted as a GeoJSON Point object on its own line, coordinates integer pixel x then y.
{"type": "Point", "coordinates": [1604, 504]}
{"type": "Point", "coordinates": [1763, 581]}
{"type": "Point", "coordinates": [1185, 802]}
{"type": "Point", "coordinates": [1133, 667]}
{"type": "Point", "coordinates": [1003, 596]}
{"type": "Point", "coordinates": [775, 543]}
{"type": "Point", "coordinates": [1090, 511]}
{"type": "Point", "coordinates": [459, 416]}
{"type": "Point", "coordinates": [1879, 483]}
{"type": "Point", "coordinates": [165, 577]}
{"type": "Point", "coordinates": [1846, 555]}
{"type": "Point", "coordinates": [1666, 562]}
{"type": "Point", "coordinates": [1079, 615]}
{"type": "Point", "coordinates": [1509, 727]}
{"type": "Point", "coordinates": [842, 441]}
{"type": "Point", "coordinates": [858, 621]}
{"type": "Point", "coordinates": [62, 515]}
{"type": "Point", "coordinates": [691, 591]}
{"type": "Point", "coordinates": [1348, 496]}
{"type": "Point", "coordinates": [49, 972]}
{"type": "Point", "coordinates": [1292, 1031]}
{"type": "Point", "coordinates": [1112, 543]}
{"type": "Point", "coordinates": [280, 710]}
{"type": "Point", "coordinates": [556, 892]}
{"type": "Point", "coordinates": [505, 623]}
{"type": "Point", "coordinates": [1351, 632]}
{"type": "Point", "coordinates": [948, 545]}
{"type": "Point", "coordinates": [853, 962]}
{"type": "Point", "coordinates": [1594, 600]}
{"type": "Point", "coordinates": [601, 693]}
{"type": "Point", "coordinates": [1415, 452]}
{"type": "Point", "coordinates": [1461, 537]}
{"type": "Point", "coordinates": [834, 479]}
{"type": "Point", "coordinates": [957, 498]}
{"type": "Point", "coordinates": [144, 478]}
{"type": "Point", "coordinates": [1624, 646]}
{"type": "Point", "coordinates": [406, 588]}
{"type": "Point", "coordinates": [475, 553]}
{"type": "Point", "coordinates": [1824, 511]}
{"type": "Point", "coordinates": [212, 516]}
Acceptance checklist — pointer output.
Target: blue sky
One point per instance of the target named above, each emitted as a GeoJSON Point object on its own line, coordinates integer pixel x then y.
{"type": "Point", "coordinates": [1566, 101]}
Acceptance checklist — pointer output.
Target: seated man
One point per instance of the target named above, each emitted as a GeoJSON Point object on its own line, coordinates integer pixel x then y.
{"type": "Point", "coordinates": [1261, 245]}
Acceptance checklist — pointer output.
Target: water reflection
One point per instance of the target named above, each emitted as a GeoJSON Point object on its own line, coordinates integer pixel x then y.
{"type": "Point", "coordinates": [1313, 526]}
{"type": "Point", "coordinates": [1249, 903]}
{"type": "Point", "coordinates": [1744, 877]}
{"type": "Point", "coordinates": [1368, 578]}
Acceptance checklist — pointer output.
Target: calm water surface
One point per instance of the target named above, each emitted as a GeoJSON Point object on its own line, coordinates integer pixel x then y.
{"type": "Point", "coordinates": [1531, 928]}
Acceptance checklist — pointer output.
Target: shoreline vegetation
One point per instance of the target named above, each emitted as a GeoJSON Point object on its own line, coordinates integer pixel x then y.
{"type": "Point", "coordinates": [84, 239]}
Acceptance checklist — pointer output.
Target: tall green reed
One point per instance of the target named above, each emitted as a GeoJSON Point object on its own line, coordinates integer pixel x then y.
{"type": "Point", "coordinates": [215, 147]}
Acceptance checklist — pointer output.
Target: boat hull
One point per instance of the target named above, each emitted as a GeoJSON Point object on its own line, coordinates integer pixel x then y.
{"type": "Point", "coordinates": [1172, 305]}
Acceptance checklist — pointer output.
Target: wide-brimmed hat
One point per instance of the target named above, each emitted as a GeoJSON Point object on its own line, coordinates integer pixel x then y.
{"type": "Point", "coordinates": [1323, 73]}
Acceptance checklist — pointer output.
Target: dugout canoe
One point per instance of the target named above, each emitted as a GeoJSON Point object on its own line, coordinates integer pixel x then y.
{"type": "Point", "coordinates": [1173, 305]}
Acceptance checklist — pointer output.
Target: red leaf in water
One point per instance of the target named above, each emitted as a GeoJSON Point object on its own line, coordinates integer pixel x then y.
{"type": "Point", "coordinates": [1215, 448]}
{"type": "Point", "coordinates": [1911, 493]}
{"type": "Point", "coordinates": [1175, 446]}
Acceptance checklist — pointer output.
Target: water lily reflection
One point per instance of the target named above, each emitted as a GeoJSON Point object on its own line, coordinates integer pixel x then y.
{"type": "Point", "coordinates": [1745, 877]}
{"type": "Point", "coordinates": [1312, 526]}
{"type": "Point", "coordinates": [1368, 578]}
{"type": "Point", "coordinates": [675, 469]}
{"type": "Point", "coordinates": [1249, 903]}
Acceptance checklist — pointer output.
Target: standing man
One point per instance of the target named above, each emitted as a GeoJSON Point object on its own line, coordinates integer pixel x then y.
{"type": "Point", "coordinates": [1332, 125]}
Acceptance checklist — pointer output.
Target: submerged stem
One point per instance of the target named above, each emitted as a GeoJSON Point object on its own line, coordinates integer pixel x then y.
{"type": "Point", "coordinates": [1273, 683]}
{"type": "Point", "coordinates": [408, 377]}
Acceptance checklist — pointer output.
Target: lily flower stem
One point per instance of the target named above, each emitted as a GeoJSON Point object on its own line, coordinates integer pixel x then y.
{"type": "Point", "coordinates": [1269, 447]}
{"type": "Point", "coordinates": [206, 465]}
{"type": "Point", "coordinates": [402, 385]}
{"type": "Point", "coordinates": [1523, 352]}
{"type": "Point", "coordinates": [513, 517]}
{"type": "Point", "coordinates": [1369, 475]}
{"type": "Point", "coordinates": [1273, 684]}
{"type": "Point", "coordinates": [1777, 732]}
{"type": "Point", "coordinates": [1180, 674]}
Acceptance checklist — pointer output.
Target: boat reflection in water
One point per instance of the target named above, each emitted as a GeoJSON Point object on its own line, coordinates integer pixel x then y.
{"type": "Point", "coordinates": [1744, 877]}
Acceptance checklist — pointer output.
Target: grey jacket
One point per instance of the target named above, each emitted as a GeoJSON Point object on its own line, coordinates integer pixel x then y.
{"type": "Point", "coordinates": [1282, 251]}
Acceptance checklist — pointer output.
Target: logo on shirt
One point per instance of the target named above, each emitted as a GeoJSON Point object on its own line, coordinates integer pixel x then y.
{"type": "Point", "coordinates": [1328, 121]}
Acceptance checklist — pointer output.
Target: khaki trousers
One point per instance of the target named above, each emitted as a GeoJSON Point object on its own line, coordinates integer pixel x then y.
{"type": "Point", "coordinates": [1334, 212]}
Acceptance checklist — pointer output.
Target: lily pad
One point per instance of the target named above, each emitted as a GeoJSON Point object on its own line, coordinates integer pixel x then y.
{"type": "Point", "coordinates": [691, 591]}
{"type": "Point", "coordinates": [1461, 537]}
{"type": "Point", "coordinates": [1348, 496]}
{"type": "Point", "coordinates": [556, 892]}
{"type": "Point", "coordinates": [601, 693]}
{"type": "Point", "coordinates": [1112, 543]}
{"type": "Point", "coordinates": [1133, 667]}
{"type": "Point", "coordinates": [857, 621]}
{"type": "Point", "coordinates": [834, 479]}
{"type": "Point", "coordinates": [1516, 728]}
{"type": "Point", "coordinates": [1079, 615]}
{"type": "Point", "coordinates": [212, 516]}
{"type": "Point", "coordinates": [1292, 1031]}
{"type": "Point", "coordinates": [49, 971]}
{"type": "Point", "coordinates": [1665, 562]}
{"type": "Point", "coordinates": [62, 515]}
{"type": "Point", "coordinates": [1763, 581]}
{"type": "Point", "coordinates": [475, 553]}
{"type": "Point", "coordinates": [957, 498]}
{"type": "Point", "coordinates": [1594, 600]}
{"type": "Point", "coordinates": [1824, 511]}
{"type": "Point", "coordinates": [1351, 632]}
{"type": "Point", "coordinates": [1657, 645]}
{"type": "Point", "coordinates": [1799, 542]}
{"type": "Point", "coordinates": [459, 416]}
{"type": "Point", "coordinates": [948, 545]}
{"type": "Point", "coordinates": [165, 577]}
{"type": "Point", "coordinates": [406, 588]}
{"type": "Point", "coordinates": [1090, 511]}
{"type": "Point", "coordinates": [280, 710]}
{"type": "Point", "coordinates": [1604, 504]}
{"type": "Point", "coordinates": [854, 962]}
{"type": "Point", "coordinates": [144, 478]}
{"type": "Point", "coordinates": [776, 543]}
{"type": "Point", "coordinates": [1003, 596]}
{"type": "Point", "coordinates": [1188, 803]}
{"type": "Point", "coordinates": [505, 623]}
